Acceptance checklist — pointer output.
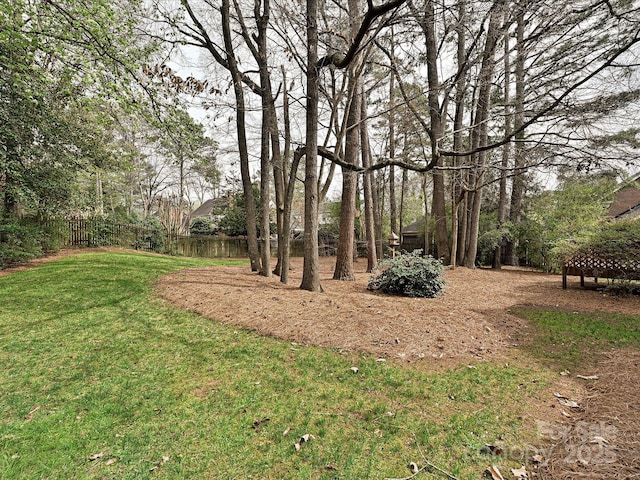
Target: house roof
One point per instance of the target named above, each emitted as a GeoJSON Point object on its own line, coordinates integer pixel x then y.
{"type": "Point", "coordinates": [626, 200]}
{"type": "Point", "coordinates": [203, 210]}
{"type": "Point", "coordinates": [207, 207]}
{"type": "Point", "coordinates": [414, 228]}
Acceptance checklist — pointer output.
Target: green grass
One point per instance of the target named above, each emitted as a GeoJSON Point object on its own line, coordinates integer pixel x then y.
{"type": "Point", "coordinates": [92, 362]}
{"type": "Point", "coordinates": [569, 339]}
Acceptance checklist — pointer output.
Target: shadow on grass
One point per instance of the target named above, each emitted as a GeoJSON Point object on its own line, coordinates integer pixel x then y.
{"type": "Point", "coordinates": [567, 339]}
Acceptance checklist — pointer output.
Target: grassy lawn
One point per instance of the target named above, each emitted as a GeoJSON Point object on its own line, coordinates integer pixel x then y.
{"type": "Point", "coordinates": [572, 339]}
{"type": "Point", "coordinates": [101, 379]}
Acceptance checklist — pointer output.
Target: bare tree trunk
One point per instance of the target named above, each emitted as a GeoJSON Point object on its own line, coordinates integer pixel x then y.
{"type": "Point", "coordinates": [455, 209]}
{"type": "Point", "coordinates": [369, 211]}
{"type": "Point", "coordinates": [377, 201]}
{"type": "Point", "coordinates": [344, 253]}
{"type": "Point", "coordinates": [502, 200]}
{"type": "Point", "coordinates": [289, 186]}
{"type": "Point", "coordinates": [458, 200]}
{"type": "Point", "coordinates": [392, 143]}
{"type": "Point", "coordinates": [480, 130]}
{"type": "Point", "coordinates": [464, 221]}
{"type": "Point", "coordinates": [247, 188]}
{"type": "Point", "coordinates": [99, 194]}
{"type": "Point", "coordinates": [425, 196]}
{"type": "Point", "coordinates": [403, 187]}
{"type": "Point", "coordinates": [518, 186]}
{"type": "Point", "coordinates": [310, 274]}
{"type": "Point", "coordinates": [269, 134]}
{"type": "Point", "coordinates": [346, 236]}
{"type": "Point", "coordinates": [437, 131]}
{"type": "Point", "coordinates": [265, 195]}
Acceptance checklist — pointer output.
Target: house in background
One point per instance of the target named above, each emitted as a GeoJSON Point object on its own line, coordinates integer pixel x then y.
{"type": "Point", "coordinates": [626, 203]}
{"type": "Point", "coordinates": [412, 236]}
{"type": "Point", "coordinates": [211, 210]}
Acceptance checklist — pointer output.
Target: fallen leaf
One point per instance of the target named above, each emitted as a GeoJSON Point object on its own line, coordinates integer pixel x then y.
{"type": "Point", "coordinates": [588, 377]}
{"type": "Point", "coordinates": [29, 416]}
{"type": "Point", "coordinates": [111, 461]}
{"type": "Point", "coordinates": [564, 373]}
{"type": "Point", "coordinates": [258, 423]}
{"type": "Point", "coordinates": [489, 449]}
{"type": "Point", "coordinates": [601, 441]}
{"type": "Point", "coordinates": [537, 459]}
{"type": "Point", "coordinates": [494, 473]}
{"type": "Point", "coordinates": [286, 432]}
{"type": "Point", "coordinates": [413, 467]}
{"type": "Point", "coordinates": [520, 473]}
{"type": "Point", "coordinates": [96, 456]}
{"type": "Point", "coordinates": [565, 402]}
{"type": "Point", "coordinates": [354, 369]}
{"type": "Point", "coordinates": [304, 438]}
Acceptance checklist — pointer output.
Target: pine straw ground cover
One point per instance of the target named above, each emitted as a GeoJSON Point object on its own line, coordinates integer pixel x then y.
{"type": "Point", "coordinates": [602, 439]}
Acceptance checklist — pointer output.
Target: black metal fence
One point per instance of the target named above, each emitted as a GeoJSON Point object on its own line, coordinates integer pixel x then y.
{"type": "Point", "coordinates": [101, 233]}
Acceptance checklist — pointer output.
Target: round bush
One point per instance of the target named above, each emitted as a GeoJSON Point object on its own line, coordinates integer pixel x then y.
{"type": "Point", "coordinates": [410, 275]}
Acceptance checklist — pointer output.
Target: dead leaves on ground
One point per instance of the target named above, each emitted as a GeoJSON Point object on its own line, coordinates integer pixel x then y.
{"type": "Point", "coordinates": [97, 456]}
{"type": "Point", "coordinates": [307, 437]}
{"type": "Point", "coordinates": [566, 402]}
{"type": "Point", "coordinates": [518, 473]}
{"type": "Point", "coordinates": [29, 416]}
{"type": "Point", "coordinates": [493, 472]}
{"type": "Point", "coordinates": [258, 423]}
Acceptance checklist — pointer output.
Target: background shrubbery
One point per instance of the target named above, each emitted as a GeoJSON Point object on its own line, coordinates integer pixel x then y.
{"type": "Point", "coordinates": [22, 239]}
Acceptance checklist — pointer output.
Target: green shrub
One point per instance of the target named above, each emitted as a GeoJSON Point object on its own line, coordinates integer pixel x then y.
{"type": "Point", "coordinates": [619, 240]}
{"type": "Point", "coordinates": [155, 238]}
{"type": "Point", "coordinates": [54, 233]}
{"type": "Point", "coordinates": [409, 274]}
{"type": "Point", "coordinates": [19, 242]}
{"type": "Point", "coordinates": [203, 226]}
